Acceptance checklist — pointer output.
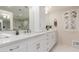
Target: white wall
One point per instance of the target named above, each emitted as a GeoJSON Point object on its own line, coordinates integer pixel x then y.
{"type": "Point", "coordinates": [64, 36]}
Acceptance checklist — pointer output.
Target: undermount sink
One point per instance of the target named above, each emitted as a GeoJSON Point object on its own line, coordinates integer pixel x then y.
{"type": "Point", "coordinates": [4, 35]}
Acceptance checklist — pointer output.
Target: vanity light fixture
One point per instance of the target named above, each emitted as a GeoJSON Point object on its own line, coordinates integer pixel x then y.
{"type": "Point", "coordinates": [5, 16]}
{"type": "Point", "coordinates": [47, 9]}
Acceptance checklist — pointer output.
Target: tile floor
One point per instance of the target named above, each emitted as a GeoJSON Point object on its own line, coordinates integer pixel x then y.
{"type": "Point", "coordinates": [64, 48]}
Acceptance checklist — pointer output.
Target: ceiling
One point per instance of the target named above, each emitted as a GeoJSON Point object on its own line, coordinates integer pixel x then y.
{"type": "Point", "coordinates": [22, 12]}
{"type": "Point", "coordinates": [19, 12]}
{"type": "Point", "coordinates": [62, 8]}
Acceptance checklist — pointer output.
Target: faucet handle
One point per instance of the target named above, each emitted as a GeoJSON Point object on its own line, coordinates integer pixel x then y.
{"type": "Point", "coordinates": [28, 31]}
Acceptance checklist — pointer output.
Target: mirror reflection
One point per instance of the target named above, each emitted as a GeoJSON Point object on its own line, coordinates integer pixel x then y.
{"type": "Point", "coordinates": [5, 20]}
{"type": "Point", "coordinates": [14, 17]}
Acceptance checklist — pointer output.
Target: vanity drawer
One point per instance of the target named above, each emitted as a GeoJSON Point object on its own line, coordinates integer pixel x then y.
{"type": "Point", "coordinates": [15, 47]}
{"type": "Point", "coordinates": [37, 44]}
{"type": "Point", "coordinates": [35, 47]}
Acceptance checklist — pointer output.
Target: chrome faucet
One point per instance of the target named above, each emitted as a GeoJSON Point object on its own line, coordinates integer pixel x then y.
{"type": "Point", "coordinates": [28, 31]}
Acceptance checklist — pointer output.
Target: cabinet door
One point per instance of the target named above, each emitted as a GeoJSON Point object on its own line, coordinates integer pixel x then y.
{"type": "Point", "coordinates": [51, 40]}
{"type": "Point", "coordinates": [37, 44]}
{"type": "Point", "coordinates": [43, 45]}
{"type": "Point", "coordinates": [34, 47]}
{"type": "Point", "coordinates": [15, 47]}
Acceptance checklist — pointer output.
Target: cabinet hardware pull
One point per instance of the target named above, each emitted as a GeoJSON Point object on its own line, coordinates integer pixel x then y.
{"type": "Point", "coordinates": [14, 48]}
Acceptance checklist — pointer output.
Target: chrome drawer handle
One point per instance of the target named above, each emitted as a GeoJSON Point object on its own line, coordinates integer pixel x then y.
{"type": "Point", "coordinates": [14, 48]}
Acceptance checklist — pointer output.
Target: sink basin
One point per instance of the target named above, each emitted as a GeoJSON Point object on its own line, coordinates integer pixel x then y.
{"type": "Point", "coordinates": [4, 35]}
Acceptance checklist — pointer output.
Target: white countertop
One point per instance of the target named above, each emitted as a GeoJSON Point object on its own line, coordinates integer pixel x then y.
{"type": "Point", "coordinates": [14, 38]}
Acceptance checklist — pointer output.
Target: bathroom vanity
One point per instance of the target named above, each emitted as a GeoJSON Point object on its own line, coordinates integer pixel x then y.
{"type": "Point", "coordinates": [23, 29]}
{"type": "Point", "coordinates": [32, 42]}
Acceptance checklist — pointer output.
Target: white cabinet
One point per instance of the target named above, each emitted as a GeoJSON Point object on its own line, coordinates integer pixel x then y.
{"type": "Point", "coordinates": [34, 47]}
{"type": "Point", "coordinates": [51, 40]}
{"type": "Point", "coordinates": [15, 47]}
{"type": "Point", "coordinates": [42, 43]}
{"type": "Point", "coordinates": [39, 43]}
{"type": "Point", "coordinates": [36, 44]}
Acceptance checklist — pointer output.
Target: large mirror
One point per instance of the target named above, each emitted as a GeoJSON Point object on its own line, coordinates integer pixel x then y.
{"type": "Point", "coordinates": [14, 17]}
{"type": "Point", "coordinates": [6, 19]}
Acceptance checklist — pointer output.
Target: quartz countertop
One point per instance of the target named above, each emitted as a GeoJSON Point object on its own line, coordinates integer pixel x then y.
{"type": "Point", "coordinates": [26, 36]}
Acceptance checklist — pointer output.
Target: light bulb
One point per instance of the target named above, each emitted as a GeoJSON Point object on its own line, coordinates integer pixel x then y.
{"type": "Point", "coordinates": [4, 16]}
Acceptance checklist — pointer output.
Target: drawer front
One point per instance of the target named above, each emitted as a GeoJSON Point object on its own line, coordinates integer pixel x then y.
{"type": "Point", "coordinates": [16, 47]}
{"type": "Point", "coordinates": [50, 44]}
{"type": "Point", "coordinates": [52, 35]}
{"type": "Point", "coordinates": [37, 43]}
{"type": "Point", "coordinates": [44, 45]}
{"type": "Point", "coordinates": [35, 47]}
